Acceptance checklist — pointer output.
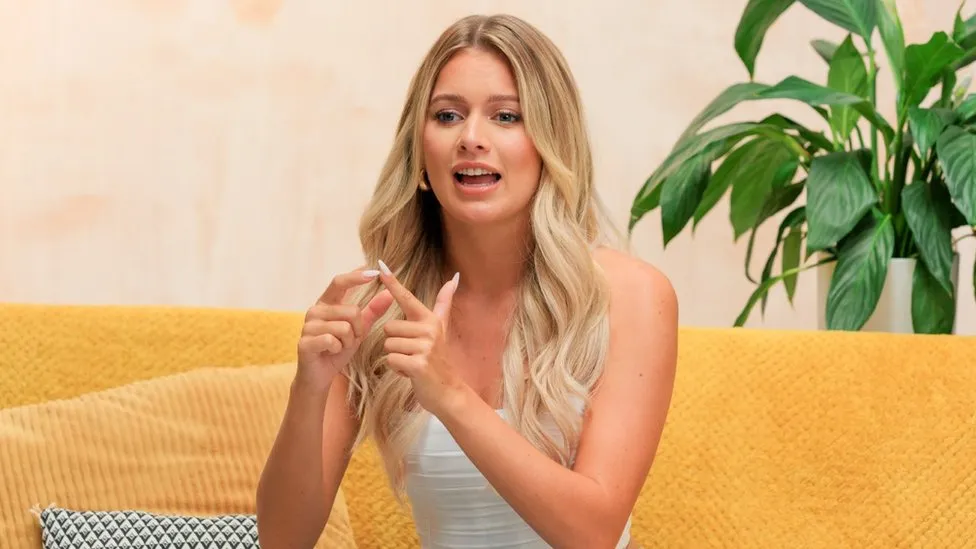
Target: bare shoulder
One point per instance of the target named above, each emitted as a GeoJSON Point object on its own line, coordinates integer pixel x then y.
{"type": "Point", "coordinates": [643, 315]}
{"type": "Point", "coordinates": [629, 408]}
{"type": "Point", "coordinates": [636, 285]}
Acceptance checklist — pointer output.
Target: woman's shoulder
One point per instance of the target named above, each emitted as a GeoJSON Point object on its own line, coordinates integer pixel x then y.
{"type": "Point", "coordinates": [635, 280]}
{"type": "Point", "coordinates": [643, 317]}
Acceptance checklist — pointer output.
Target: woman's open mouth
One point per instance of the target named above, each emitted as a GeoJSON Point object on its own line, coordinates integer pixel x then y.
{"type": "Point", "coordinates": [476, 177]}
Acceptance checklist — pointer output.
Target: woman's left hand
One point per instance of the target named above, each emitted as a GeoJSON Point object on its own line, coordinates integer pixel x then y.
{"type": "Point", "coordinates": [415, 346]}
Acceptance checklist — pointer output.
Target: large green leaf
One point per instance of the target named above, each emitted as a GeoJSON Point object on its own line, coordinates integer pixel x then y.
{"type": "Point", "coordinates": [839, 193]}
{"type": "Point", "coordinates": [649, 202]}
{"type": "Point", "coordinates": [695, 144]}
{"type": "Point", "coordinates": [684, 189]}
{"type": "Point", "coordinates": [927, 125]}
{"type": "Point", "coordinates": [685, 151]}
{"type": "Point", "coordinates": [959, 26]}
{"type": "Point", "coordinates": [777, 127]}
{"type": "Point", "coordinates": [933, 307]}
{"type": "Point", "coordinates": [967, 109]}
{"type": "Point", "coordinates": [930, 229]}
{"type": "Point", "coordinates": [728, 171]}
{"type": "Point", "coordinates": [724, 102]}
{"type": "Point", "coordinates": [924, 66]}
{"type": "Point", "coordinates": [824, 48]}
{"type": "Point", "coordinates": [816, 139]}
{"type": "Point", "coordinates": [857, 16]}
{"type": "Point", "coordinates": [793, 221]}
{"type": "Point", "coordinates": [742, 164]}
{"type": "Point", "coordinates": [968, 58]}
{"type": "Point", "coordinates": [964, 31]}
{"type": "Point", "coordinates": [727, 100]}
{"type": "Point", "coordinates": [862, 265]}
{"type": "Point", "coordinates": [847, 74]}
{"type": "Point", "coordinates": [756, 181]}
{"type": "Point", "coordinates": [779, 199]}
{"type": "Point", "coordinates": [688, 148]}
{"type": "Point", "coordinates": [893, 38]}
{"type": "Point", "coordinates": [758, 16]}
{"type": "Point", "coordinates": [957, 153]}
{"type": "Point", "coordinates": [943, 200]}
{"type": "Point", "coordinates": [791, 260]}
{"type": "Point", "coordinates": [794, 87]}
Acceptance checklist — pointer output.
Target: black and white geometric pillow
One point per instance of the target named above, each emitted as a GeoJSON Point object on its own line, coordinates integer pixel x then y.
{"type": "Point", "coordinates": [68, 529]}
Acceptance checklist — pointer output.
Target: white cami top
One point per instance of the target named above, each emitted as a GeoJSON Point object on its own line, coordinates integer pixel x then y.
{"type": "Point", "coordinates": [453, 504]}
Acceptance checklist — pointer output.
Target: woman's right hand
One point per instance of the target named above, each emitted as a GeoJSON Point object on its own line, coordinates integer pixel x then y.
{"type": "Point", "coordinates": [333, 329]}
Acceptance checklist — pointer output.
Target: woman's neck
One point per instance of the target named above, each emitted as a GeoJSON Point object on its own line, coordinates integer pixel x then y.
{"type": "Point", "coordinates": [491, 260]}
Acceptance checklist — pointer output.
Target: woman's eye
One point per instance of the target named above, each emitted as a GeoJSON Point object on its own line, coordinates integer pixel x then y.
{"type": "Point", "coordinates": [509, 117]}
{"type": "Point", "coordinates": [446, 116]}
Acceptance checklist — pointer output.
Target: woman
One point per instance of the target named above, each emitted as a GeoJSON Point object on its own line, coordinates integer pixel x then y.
{"type": "Point", "coordinates": [514, 372]}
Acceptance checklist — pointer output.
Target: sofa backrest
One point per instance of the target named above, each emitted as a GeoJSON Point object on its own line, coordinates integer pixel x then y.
{"type": "Point", "coordinates": [52, 352]}
{"type": "Point", "coordinates": [775, 438]}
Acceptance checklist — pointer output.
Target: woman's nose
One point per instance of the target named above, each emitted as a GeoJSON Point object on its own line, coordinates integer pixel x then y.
{"type": "Point", "coordinates": [473, 135]}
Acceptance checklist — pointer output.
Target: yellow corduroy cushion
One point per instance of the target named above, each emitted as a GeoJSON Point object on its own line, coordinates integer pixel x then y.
{"type": "Point", "coordinates": [376, 517]}
{"type": "Point", "coordinates": [190, 444]}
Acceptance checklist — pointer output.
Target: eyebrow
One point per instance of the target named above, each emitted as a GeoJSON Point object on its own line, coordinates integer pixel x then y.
{"type": "Point", "coordinates": [495, 98]}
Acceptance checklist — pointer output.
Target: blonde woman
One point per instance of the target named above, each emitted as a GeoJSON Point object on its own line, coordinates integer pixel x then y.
{"type": "Point", "coordinates": [514, 371]}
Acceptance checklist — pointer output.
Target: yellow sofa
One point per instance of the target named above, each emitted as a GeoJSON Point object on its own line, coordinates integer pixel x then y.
{"type": "Point", "coordinates": [775, 438]}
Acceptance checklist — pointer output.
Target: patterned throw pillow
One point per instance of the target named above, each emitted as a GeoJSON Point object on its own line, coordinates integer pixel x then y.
{"type": "Point", "coordinates": [68, 529]}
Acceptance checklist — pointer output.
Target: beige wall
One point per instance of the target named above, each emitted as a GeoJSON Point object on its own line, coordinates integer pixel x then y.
{"type": "Point", "coordinates": [219, 153]}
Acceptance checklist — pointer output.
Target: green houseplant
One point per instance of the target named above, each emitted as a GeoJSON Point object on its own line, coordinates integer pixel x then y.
{"type": "Point", "coordinates": [877, 187]}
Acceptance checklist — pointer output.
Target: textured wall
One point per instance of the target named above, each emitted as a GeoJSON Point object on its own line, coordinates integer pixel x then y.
{"type": "Point", "coordinates": [219, 153]}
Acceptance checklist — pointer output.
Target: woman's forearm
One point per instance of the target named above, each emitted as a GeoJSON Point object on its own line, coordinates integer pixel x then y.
{"type": "Point", "coordinates": [566, 508]}
{"type": "Point", "coordinates": [293, 499]}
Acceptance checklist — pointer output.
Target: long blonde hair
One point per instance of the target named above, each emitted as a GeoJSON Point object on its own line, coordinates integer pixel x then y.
{"type": "Point", "coordinates": [559, 332]}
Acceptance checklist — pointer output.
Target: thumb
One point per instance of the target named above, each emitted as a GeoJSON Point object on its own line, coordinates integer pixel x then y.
{"type": "Point", "coordinates": [376, 308]}
{"type": "Point", "coordinates": [442, 307]}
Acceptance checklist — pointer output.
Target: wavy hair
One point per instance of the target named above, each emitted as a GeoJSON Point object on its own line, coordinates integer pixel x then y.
{"type": "Point", "coordinates": [558, 334]}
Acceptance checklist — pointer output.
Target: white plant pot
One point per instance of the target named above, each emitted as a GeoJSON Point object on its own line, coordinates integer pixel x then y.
{"type": "Point", "coordinates": [894, 310]}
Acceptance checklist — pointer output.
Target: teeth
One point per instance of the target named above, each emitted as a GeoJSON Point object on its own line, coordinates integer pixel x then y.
{"type": "Point", "coordinates": [474, 171]}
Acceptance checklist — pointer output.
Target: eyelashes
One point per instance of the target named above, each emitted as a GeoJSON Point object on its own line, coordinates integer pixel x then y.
{"type": "Point", "coordinates": [449, 117]}
{"type": "Point", "coordinates": [514, 117]}
{"type": "Point", "coordinates": [444, 117]}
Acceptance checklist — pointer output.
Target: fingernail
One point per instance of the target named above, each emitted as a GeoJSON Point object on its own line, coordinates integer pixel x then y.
{"type": "Point", "coordinates": [384, 268]}
{"type": "Point", "coordinates": [456, 279]}
{"type": "Point", "coordinates": [371, 273]}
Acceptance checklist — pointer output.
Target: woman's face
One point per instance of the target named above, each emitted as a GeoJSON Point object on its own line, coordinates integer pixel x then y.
{"type": "Point", "coordinates": [480, 162]}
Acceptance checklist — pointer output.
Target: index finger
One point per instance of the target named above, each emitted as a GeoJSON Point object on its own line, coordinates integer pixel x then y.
{"type": "Point", "coordinates": [412, 307]}
{"type": "Point", "coordinates": [336, 291]}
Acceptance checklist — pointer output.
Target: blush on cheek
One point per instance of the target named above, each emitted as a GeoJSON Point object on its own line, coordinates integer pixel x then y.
{"type": "Point", "coordinates": [437, 152]}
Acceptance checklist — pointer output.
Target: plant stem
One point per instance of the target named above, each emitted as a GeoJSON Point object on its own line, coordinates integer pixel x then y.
{"type": "Point", "coordinates": [897, 182]}
{"type": "Point", "coordinates": [860, 136]}
{"type": "Point", "coordinates": [797, 149]}
{"type": "Point", "coordinates": [906, 245]}
{"type": "Point", "coordinates": [929, 164]}
{"type": "Point", "coordinates": [873, 94]}
{"type": "Point", "coordinates": [916, 167]}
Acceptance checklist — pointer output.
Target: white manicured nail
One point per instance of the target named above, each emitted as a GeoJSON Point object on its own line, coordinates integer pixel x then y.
{"type": "Point", "coordinates": [386, 270]}
{"type": "Point", "coordinates": [371, 273]}
{"type": "Point", "coordinates": [456, 279]}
